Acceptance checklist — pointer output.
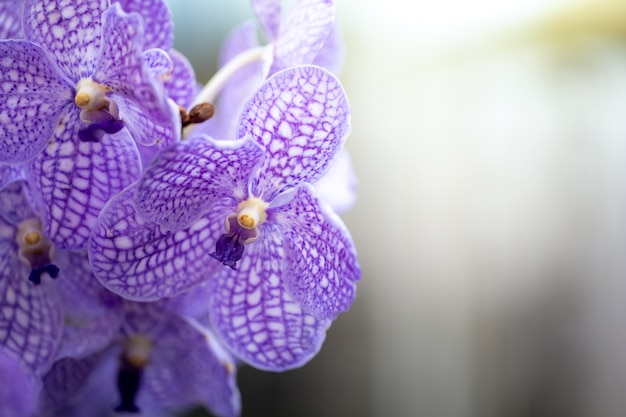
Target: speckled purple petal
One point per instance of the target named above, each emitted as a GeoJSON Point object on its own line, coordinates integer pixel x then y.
{"type": "Point", "coordinates": [332, 53]}
{"type": "Point", "coordinates": [188, 367]}
{"type": "Point", "coordinates": [31, 316]}
{"type": "Point", "coordinates": [189, 177]}
{"type": "Point", "coordinates": [268, 13]}
{"type": "Point", "coordinates": [18, 390]}
{"type": "Point", "coordinates": [300, 116]}
{"type": "Point", "coordinates": [255, 317]}
{"type": "Point", "coordinates": [75, 179]}
{"type": "Point", "coordinates": [11, 173]}
{"type": "Point", "coordinates": [157, 21]}
{"type": "Point", "coordinates": [241, 85]}
{"type": "Point", "coordinates": [321, 267]}
{"type": "Point", "coordinates": [32, 100]}
{"type": "Point", "coordinates": [140, 98]}
{"type": "Point", "coordinates": [302, 33]}
{"type": "Point", "coordinates": [11, 20]}
{"type": "Point", "coordinates": [66, 381]}
{"type": "Point", "coordinates": [150, 127]}
{"type": "Point", "coordinates": [70, 30]}
{"type": "Point", "coordinates": [181, 85]}
{"type": "Point", "coordinates": [93, 315]}
{"type": "Point", "coordinates": [158, 63]}
{"type": "Point", "coordinates": [134, 259]}
{"type": "Point", "coordinates": [16, 202]}
{"type": "Point", "coordinates": [337, 187]}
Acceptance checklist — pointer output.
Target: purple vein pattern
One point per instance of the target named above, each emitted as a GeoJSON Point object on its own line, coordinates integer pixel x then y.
{"type": "Point", "coordinates": [140, 267]}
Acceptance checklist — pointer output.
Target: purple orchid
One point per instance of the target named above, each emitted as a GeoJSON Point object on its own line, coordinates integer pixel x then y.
{"type": "Point", "coordinates": [237, 252]}
{"type": "Point", "coordinates": [307, 34]}
{"type": "Point", "coordinates": [31, 315]}
{"type": "Point", "coordinates": [301, 35]}
{"type": "Point", "coordinates": [158, 25]}
{"type": "Point", "coordinates": [247, 204]}
{"type": "Point", "coordinates": [179, 80]}
{"type": "Point", "coordinates": [159, 362]}
{"type": "Point", "coordinates": [69, 99]}
{"type": "Point", "coordinates": [298, 39]}
{"type": "Point", "coordinates": [35, 279]}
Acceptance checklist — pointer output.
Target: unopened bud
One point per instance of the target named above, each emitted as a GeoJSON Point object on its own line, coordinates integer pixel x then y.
{"type": "Point", "coordinates": [201, 112]}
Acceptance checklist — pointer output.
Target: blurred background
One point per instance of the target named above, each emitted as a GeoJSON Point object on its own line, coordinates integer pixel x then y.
{"type": "Point", "coordinates": [489, 138]}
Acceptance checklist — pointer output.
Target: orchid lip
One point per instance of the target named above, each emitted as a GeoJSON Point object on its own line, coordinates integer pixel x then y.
{"type": "Point", "coordinates": [229, 247]}
{"type": "Point", "coordinates": [100, 114]}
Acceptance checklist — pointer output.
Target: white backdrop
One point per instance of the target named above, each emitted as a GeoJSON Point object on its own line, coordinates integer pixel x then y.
{"type": "Point", "coordinates": [490, 143]}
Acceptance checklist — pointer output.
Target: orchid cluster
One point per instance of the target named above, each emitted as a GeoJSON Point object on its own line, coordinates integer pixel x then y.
{"type": "Point", "coordinates": [155, 234]}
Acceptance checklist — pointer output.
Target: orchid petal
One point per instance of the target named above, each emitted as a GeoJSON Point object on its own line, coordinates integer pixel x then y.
{"type": "Point", "coordinates": [332, 53]}
{"type": "Point", "coordinates": [18, 394]}
{"type": "Point", "coordinates": [188, 367]}
{"type": "Point", "coordinates": [120, 60]}
{"type": "Point", "coordinates": [65, 381]}
{"type": "Point", "coordinates": [147, 319]}
{"type": "Point", "coordinates": [321, 267]}
{"type": "Point", "coordinates": [337, 187]}
{"type": "Point", "coordinates": [181, 84]}
{"type": "Point", "coordinates": [11, 173]}
{"type": "Point", "coordinates": [268, 13]}
{"type": "Point", "coordinates": [302, 33]}
{"type": "Point", "coordinates": [190, 176]}
{"type": "Point", "coordinates": [158, 62]}
{"type": "Point", "coordinates": [70, 30]}
{"type": "Point", "coordinates": [140, 98]}
{"type": "Point", "coordinates": [254, 315]}
{"type": "Point", "coordinates": [93, 315]}
{"type": "Point", "coordinates": [16, 203]}
{"type": "Point", "coordinates": [11, 20]}
{"type": "Point", "coordinates": [31, 316]}
{"type": "Point", "coordinates": [32, 100]}
{"type": "Point", "coordinates": [149, 153]}
{"type": "Point", "coordinates": [138, 261]}
{"type": "Point", "coordinates": [192, 303]}
{"type": "Point", "coordinates": [149, 126]}
{"type": "Point", "coordinates": [300, 117]}
{"type": "Point", "coordinates": [75, 179]}
{"type": "Point", "coordinates": [157, 21]}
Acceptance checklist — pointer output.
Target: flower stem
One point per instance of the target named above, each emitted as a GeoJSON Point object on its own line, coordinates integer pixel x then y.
{"type": "Point", "coordinates": [211, 89]}
{"type": "Point", "coordinates": [214, 86]}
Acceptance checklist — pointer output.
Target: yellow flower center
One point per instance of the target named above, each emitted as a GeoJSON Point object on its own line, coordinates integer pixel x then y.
{"type": "Point", "coordinates": [137, 350]}
{"type": "Point", "coordinates": [32, 237]}
{"type": "Point", "coordinates": [251, 213]}
{"type": "Point", "coordinates": [90, 95]}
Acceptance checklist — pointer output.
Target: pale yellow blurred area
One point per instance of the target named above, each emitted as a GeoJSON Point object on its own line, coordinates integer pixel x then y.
{"type": "Point", "coordinates": [489, 138]}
